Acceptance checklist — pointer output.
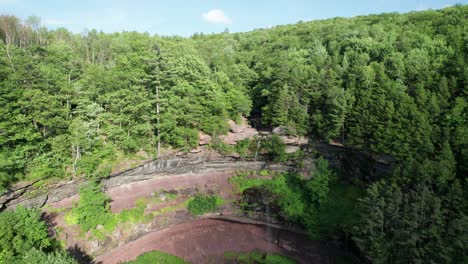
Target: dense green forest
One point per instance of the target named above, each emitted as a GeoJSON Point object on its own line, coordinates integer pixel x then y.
{"type": "Point", "coordinates": [396, 84]}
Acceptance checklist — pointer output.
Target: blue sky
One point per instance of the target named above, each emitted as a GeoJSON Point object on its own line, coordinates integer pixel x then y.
{"type": "Point", "coordinates": [177, 17]}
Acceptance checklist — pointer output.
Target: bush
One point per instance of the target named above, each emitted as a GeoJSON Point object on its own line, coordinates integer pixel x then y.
{"type": "Point", "coordinates": [244, 181]}
{"type": "Point", "coordinates": [318, 186]}
{"type": "Point", "coordinates": [93, 208]}
{"type": "Point", "coordinates": [242, 147]}
{"type": "Point", "coordinates": [222, 147]}
{"type": "Point", "coordinates": [274, 148]}
{"type": "Point", "coordinates": [298, 200]}
{"type": "Point", "coordinates": [96, 165]}
{"type": "Point", "coordinates": [201, 204]}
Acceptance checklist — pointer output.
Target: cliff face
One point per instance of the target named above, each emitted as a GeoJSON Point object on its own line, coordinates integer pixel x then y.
{"type": "Point", "coordinates": [348, 161]}
{"type": "Point", "coordinates": [32, 196]}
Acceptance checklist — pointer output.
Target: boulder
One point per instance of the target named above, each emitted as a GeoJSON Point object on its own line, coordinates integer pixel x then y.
{"type": "Point", "coordinates": [280, 131]}
{"type": "Point", "coordinates": [238, 132]}
{"type": "Point", "coordinates": [291, 149]}
{"type": "Point", "coordinates": [203, 139]}
{"type": "Point", "coordinates": [238, 128]}
{"type": "Point", "coordinates": [233, 138]}
{"type": "Point", "coordinates": [291, 140]}
{"type": "Point", "coordinates": [196, 150]}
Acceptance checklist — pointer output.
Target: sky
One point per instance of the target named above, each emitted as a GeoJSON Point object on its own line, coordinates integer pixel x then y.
{"type": "Point", "coordinates": [184, 18]}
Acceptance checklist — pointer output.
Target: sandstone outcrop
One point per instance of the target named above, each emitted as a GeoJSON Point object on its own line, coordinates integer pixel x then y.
{"type": "Point", "coordinates": [238, 132]}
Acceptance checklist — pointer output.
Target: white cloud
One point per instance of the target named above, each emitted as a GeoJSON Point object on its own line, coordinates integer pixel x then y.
{"type": "Point", "coordinates": [216, 16]}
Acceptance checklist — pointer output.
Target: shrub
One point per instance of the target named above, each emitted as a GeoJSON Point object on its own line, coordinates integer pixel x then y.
{"type": "Point", "coordinates": [93, 208]}
{"type": "Point", "coordinates": [244, 181]}
{"type": "Point", "coordinates": [201, 204]}
{"type": "Point", "coordinates": [274, 148]}
{"type": "Point", "coordinates": [242, 147]}
{"type": "Point", "coordinates": [222, 147]}
{"type": "Point", "coordinates": [299, 200]}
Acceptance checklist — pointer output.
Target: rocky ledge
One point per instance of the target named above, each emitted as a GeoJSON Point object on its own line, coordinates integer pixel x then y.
{"type": "Point", "coordinates": [30, 195]}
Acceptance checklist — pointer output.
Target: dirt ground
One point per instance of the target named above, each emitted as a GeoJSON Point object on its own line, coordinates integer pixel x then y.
{"type": "Point", "coordinates": [200, 241]}
{"type": "Point", "coordinates": [125, 196]}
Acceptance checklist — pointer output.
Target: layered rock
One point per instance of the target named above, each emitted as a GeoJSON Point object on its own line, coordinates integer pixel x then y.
{"type": "Point", "coordinates": [34, 196]}
{"type": "Point", "coordinates": [238, 132]}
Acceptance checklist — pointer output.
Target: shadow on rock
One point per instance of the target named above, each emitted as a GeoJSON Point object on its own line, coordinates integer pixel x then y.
{"type": "Point", "coordinates": [80, 255]}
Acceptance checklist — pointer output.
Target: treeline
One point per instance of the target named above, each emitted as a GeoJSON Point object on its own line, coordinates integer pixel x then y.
{"type": "Point", "coordinates": [70, 102]}
{"type": "Point", "coordinates": [391, 83]}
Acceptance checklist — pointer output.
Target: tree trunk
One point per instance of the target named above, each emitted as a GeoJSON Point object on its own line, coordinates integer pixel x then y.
{"type": "Point", "coordinates": [9, 57]}
{"type": "Point", "coordinates": [157, 122]}
{"type": "Point", "coordinates": [258, 147]}
{"type": "Point", "coordinates": [77, 157]}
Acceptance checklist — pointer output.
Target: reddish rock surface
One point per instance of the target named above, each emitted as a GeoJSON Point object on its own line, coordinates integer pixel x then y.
{"type": "Point", "coordinates": [200, 241]}
{"type": "Point", "coordinates": [125, 196]}
{"type": "Point", "coordinates": [203, 139]}
{"type": "Point", "coordinates": [238, 132]}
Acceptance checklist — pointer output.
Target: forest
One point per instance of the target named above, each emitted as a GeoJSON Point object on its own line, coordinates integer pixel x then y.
{"type": "Point", "coordinates": [73, 105]}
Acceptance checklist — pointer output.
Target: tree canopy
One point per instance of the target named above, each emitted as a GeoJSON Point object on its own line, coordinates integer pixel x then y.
{"type": "Point", "coordinates": [391, 83]}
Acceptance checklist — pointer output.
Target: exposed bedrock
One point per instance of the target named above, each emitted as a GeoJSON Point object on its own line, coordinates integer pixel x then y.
{"type": "Point", "coordinates": [32, 196]}
{"type": "Point", "coordinates": [206, 241]}
{"type": "Point", "coordinates": [349, 161]}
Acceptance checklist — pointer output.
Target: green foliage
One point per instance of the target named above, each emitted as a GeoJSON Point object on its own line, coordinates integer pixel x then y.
{"type": "Point", "coordinates": [200, 204]}
{"type": "Point", "coordinates": [157, 257]}
{"type": "Point", "coordinates": [244, 181]}
{"type": "Point", "coordinates": [430, 226]}
{"type": "Point", "coordinates": [37, 256]}
{"type": "Point", "coordinates": [319, 186]}
{"type": "Point", "coordinates": [274, 147]}
{"type": "Point", "coordinates": [134, 215]}
{"type": "Point", "coordinates": [242, 147]}
{"type": "Point", "coordinates": [377, 82]}
{"type": "Point", "coordinates": [339, 212]}
{"type": "Point", "coordinates": [92, 212]}
{"type": "Point", "coordinates": [256, 257]}
{"type": "Point", "coordinates": [222, 147]}
{"type": "Point", "coordinates": [24, 238]}
{"type": "Point", "coordinates": [299, 200]}
{"type": "Point", "coordinates": [93, 209]}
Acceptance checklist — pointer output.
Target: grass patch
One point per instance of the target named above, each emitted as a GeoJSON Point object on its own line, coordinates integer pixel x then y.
{"type": "Point", "coordinates": [201, 204]}
{"type": "Point", "coordinates": [136, 214]}
{"type": "Point", "coordinates": [171, 208]}
{"type": "Point", "coordinates": [256, 257]}
{"type": "Point", "coordinates": [157, 257]}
